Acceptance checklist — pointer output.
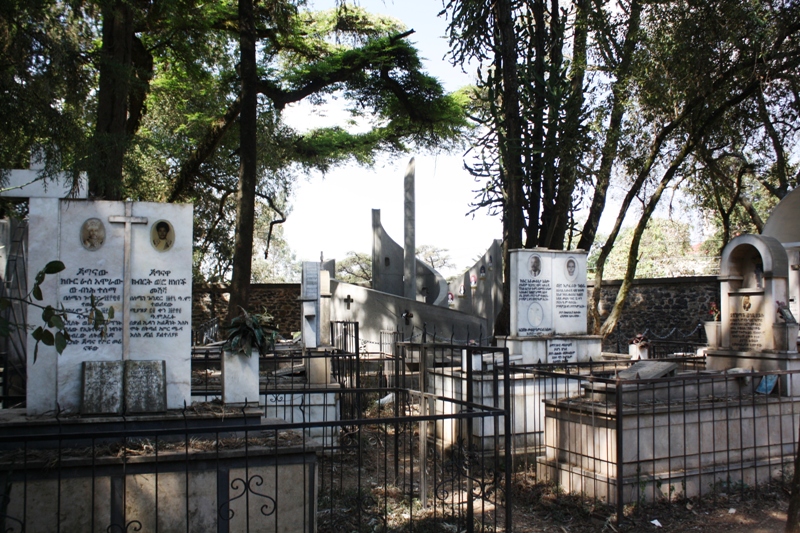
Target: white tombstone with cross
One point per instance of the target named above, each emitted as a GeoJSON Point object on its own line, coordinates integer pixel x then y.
{"type": "Point", "coordinates": [137, 258]}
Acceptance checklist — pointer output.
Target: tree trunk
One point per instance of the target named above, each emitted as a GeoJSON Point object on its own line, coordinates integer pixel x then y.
{"type": "Point", "coordinates": [570, 145]}
{"type": "Point", "coordinates": [246, 192]}
{"type": "Point", "coordinates": [539, 187]}
{"type": "Point", "coordinates": [633, 259]}
{"type": "Point", "coordinates": [510, 134]}
{"type": "Point", "coordinates": [614, 132]}
{"type": "Point", "coordinates": [110, 136]}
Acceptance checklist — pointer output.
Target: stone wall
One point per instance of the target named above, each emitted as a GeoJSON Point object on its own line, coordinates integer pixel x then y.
{"type": "Point", "coordinates": [656, 305]}
{"type": "Point", "coordinates": [279, 299]}
{"type": "Point", "coordinates": [660, 306]}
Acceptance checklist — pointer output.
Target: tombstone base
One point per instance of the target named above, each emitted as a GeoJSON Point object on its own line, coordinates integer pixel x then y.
{"type": "Point", "coordinates": [102, 387]}
{"type": "Point", "coordinates": [240, 379]}
{"type": "Point", "coordinates": [145, 386]}
{"type": "Point", "coordinates": [114, 387]}
{"type": "Point", "coordinates": [553, 349]}
{"type": "Point", "coordinates": [759, 361]}
{"type": "Point", "coordinates": [318, 365]}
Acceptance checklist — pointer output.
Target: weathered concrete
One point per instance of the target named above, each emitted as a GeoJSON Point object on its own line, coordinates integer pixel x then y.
{"type": "Point", "coordinates": [273, 490]}
{"type": "Point", "coordinates": [679, 438]}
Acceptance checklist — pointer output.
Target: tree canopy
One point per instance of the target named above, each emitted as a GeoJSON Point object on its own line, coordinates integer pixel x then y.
{"type": "Point", "coordinates": [576, 97]}
{"type": "Point", "coordinates": [150, 98]}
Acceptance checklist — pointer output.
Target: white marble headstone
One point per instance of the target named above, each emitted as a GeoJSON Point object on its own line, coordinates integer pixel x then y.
{"type": "Point", "coordinates": [548, 292]}
{"type": "Point", "coordinates": [82, 235]}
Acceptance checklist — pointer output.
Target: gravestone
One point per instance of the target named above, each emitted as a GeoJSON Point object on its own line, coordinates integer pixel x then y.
{"type": "Point", "coordinates": [753, 279]}
{"type": "Point", "coordinates": [98, 398]}
{"type": "Point", "coordinates": [782, 225]}
{"type": "Point", "coordinates": [548, 307]}
{"type": "Point", "coordinates": [135, 257]}
{"type": "Point", "coordinates": [548, 292]}
{"type": "Point", "coordinates": [754, 282]}
{"type": "Point", "coordinates": [309, 298]}
{"type": "Point", "coordinates": [28, 183]}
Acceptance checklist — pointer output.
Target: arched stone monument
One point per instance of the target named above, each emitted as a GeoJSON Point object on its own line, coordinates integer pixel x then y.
{"type": "Point", "coordinates": [754, 283]}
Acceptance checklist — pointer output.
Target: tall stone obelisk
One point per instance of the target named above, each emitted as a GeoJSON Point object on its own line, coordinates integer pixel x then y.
{"type": "Point", "coordinates": [409, 245]}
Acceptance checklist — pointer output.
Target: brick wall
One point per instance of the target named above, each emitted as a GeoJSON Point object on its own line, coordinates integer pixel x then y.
{"type": "Point", "coordinates": [279, 299]}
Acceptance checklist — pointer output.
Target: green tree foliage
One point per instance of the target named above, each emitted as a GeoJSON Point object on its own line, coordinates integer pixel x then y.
{"type": "Point", "coordinates": [53, 332]}
{"type": "Point", "coordinates": [640, 95]}
{"type": "Point", "coordinates": [147, 98]}
{"type": "Point", "coordinates": [45, 82]}
{"type": "Point", "coordinates": [665, 251]}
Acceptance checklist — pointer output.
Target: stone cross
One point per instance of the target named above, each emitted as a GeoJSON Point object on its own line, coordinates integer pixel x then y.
{"type": "Point", "coordinates": [128, 219]}
{"type": "Point", "coordinates": [348, 301]}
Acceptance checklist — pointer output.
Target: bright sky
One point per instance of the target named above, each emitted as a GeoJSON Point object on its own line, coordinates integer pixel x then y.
{"type": "Point", "coordinates": [333, 214]}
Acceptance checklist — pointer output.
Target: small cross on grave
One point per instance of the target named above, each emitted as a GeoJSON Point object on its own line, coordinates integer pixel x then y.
{"type": "Point", "coordinates": [348, 301]}
{"type": "Point", "coordinates": [128, 220]}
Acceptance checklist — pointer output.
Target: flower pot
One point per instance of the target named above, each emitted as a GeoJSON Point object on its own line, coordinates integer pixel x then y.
{"type": "Point", "coordinates": [240, 378]}
{"type": "Point", "coordinates": [713, 333]}
{"type": "Point", "coordinates": [785, 337]}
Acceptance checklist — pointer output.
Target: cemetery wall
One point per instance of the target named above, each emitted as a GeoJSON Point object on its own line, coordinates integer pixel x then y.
{"type": "Point", "coordinates": [660, 305]}
{"type": "Point", "coordinates": [656, 304]}
{"type": "Point", "coordinates": [279, 299]}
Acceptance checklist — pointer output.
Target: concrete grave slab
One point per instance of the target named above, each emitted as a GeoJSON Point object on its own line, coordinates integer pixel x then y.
{"type": "Point", "coordinates": [648, 370]}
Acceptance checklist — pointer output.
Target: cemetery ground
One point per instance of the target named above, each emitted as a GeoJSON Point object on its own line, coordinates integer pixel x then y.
{"type": "Point", "coordinates": [544, 508]}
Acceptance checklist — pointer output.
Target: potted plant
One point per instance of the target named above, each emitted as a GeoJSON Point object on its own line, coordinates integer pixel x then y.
{"type": "Point", "coordinates": [638, 346]}
{"type": "Point", "coordinates": [713, 327]}
{"type": "Point", "coordinates": [247, 336]}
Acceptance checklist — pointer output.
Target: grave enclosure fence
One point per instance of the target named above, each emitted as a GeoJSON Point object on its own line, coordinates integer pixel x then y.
{"type": "Point", "coordinates": [414, 436]}
{"type": "Point", "coordinates": [253, 475]}
{"type": "Point", "coordinates": [619, 442]}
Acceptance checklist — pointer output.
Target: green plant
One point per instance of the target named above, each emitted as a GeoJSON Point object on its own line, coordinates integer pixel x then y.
{"type": "Point", "coordinates": [54, 331]}
{"type": "Point", "coordinates": [249, 331]}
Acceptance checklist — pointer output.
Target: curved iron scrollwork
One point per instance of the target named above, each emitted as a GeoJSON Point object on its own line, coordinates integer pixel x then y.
{"type": "Point", "coordinates": [4, 519]}
{"type": "Point", "coordinates": [239, 484]}
{"type": "Point", "coordinates": [133, 525]}
{"type": "Point", "coordinates": [464, 465]}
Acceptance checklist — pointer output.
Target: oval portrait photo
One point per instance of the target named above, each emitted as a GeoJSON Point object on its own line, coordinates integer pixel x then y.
{"type": "Point", "coordinates": [93, 234]}
{"type": "Point", "coordinates": [162, 235]}
{"type": "Point", "coordinates": [571, 269]}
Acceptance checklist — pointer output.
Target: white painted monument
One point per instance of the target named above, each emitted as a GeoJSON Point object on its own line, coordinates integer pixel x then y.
{"type": "Point", "coordinates": [310, 293]}
{"type": "Point", "coordinates": [782, 225]}
{"type": "Point", "coordinates": [548, 307]}
{"type": "Point", "coordinates": [135, 257]}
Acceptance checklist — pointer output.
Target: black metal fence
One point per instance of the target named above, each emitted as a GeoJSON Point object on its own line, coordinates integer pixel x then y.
{"type": "Point", "coordinates": [660, 343]}
{"type": "Point", "coordinates": [215, 469]}
{"type": "Point", "coordinates": [634, 440]}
